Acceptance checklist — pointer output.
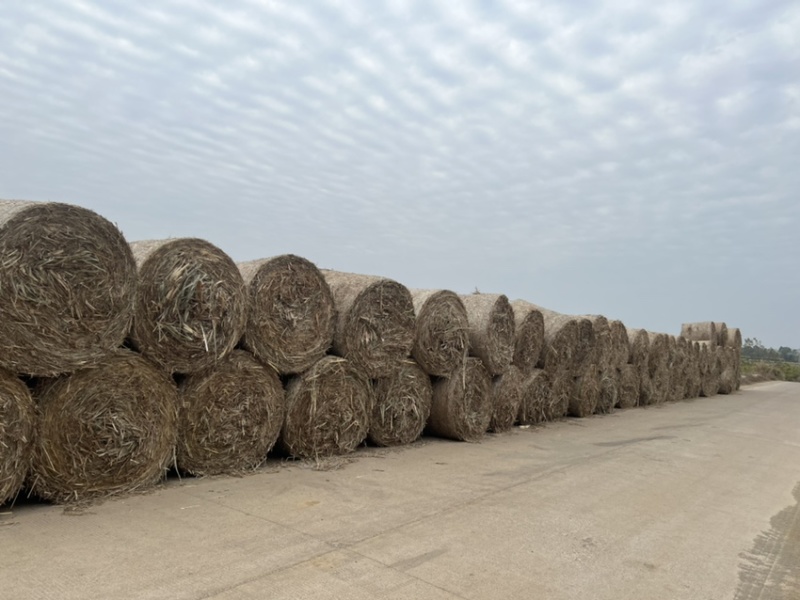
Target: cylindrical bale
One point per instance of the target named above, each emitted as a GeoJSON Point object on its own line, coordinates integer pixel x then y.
{"type": "Point", "coordinates": [491, 330]}
{"type": "Point", "coordinates": [562, 389]}
{"type": "Point", "coordinates": [441, 331]}
{"type": "Point", "coordinates": [694, 371]}
{"type": "Point", "coordinates": [462, 406]}
{"type": "Point", "coordinates": [609, 390]}
{"type": "Point", "coordinates": [584, 358]}
{"type": "Point", "coordinates": [229, 416]}
{"type": "Point", "coordinates": [646, 391]}
{"type": "Point", "coordinates": [291, 316]}
{"type": "Point", "coordinates": [402, 405]}
{"type": "Point", "coordinates": [191, 305]}
{"type": "Point", "coordinates": [560, 342]}
{"type": "Point", "coordinates": [735, 342]}
{"type": "Point", "coordinates": [506, 397]}
{"type": "Point", "coordinates": [67, 287]}
{"type": "Point", "coordinates": [620, 346]}
{"type": "Point", "coordinates": [535, 406]}
{"type": "Point", "coordinates": [639, 344]}
{"type": "Point", "coordinates": [601, 351]}
{"type": "Point", "coordinates": [675, 367]}
{"type": "Point", "coordinates": [704, 331]}
{"type": "Point", "coordinates": [658, 367]}
{"type": "Point", "coordinates": [327, 410]}
{"type": "Point", "coordinates": [529, 327]}
{"type": "Point", "coordinates": [16, 434]}
{"type": "Point", "coordinates": [375, 321]}
{"type": "Point", "coordinates": [709, 370]}
{"type": "Point", "coordinates": [722, 333]}
{"type": "Point", "coordinates": [585, 395]}
{"type": "Point", "coordinates": [629, 382]}
{"type": "Point", "coordinates": [106, 430]}
{"type": "Point", "coordinates": [727, 377]}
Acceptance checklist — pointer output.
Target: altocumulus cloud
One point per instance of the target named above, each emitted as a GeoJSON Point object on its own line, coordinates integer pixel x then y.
{"type": "Point", "coordinates": [614, 157]}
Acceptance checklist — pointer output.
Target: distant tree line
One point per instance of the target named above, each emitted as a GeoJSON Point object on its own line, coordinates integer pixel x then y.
{"type": "Point", "coordinates": [753, 349]}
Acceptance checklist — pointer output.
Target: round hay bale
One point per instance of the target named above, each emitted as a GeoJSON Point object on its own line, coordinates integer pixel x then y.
{"type": "Point", "coordinates": [585, 351]}
{"type": "Point", "coordinates": [16, 434]}
{"type": "Point", "coordinates": [191, 306]}
{"type": "Point", "coordinates": [491, 330]}
{"type": "Point", "coordinates": [693, 371]}
{"type": "Point", "coordinates": [535, 406]}
{"type": "Point", "coordinates": [585, 394]}
{"type": "Point", "coordinates": [291, 316]}
{"type": "Point", "coordinates": [722, 333]}
{"type": "Point", "coordinates": [560, 341]}
{"type": "Point", "coordinates": [646, 392]}
{"type": "Point", "coordinates": [735, 342]}
{"type": "Point", "coordinates": [562, 387]}
{"type": "Point", "coordinates": [327, 410]}
{"type": "Point", "coordinates": [601, 350]}
{"type": "Point", "coordinates": [629, 382]}
{"type": "Point", "coordinates": [609, 390]}
{"type": "Point", "coordinates": [676, 381]}
{"type": "Point", "coordinates": [727, 376]}
{"type": "Point", "coordinates": [402, 405]}
{"type": "Point", "coordinates": [529, 338]}
{"type": "Point", "coordinates": [67, 287]}
{"type": "Point", "coordinates": [639, 344]}
{"type": "Point", "coordinates": [229, 416]}
{"type": "Point", "coordinates": [658, 367]}
{"type": "Point", "coordinates": [705, 331]}
{"type": "Point", "coordinates": [709, 370]}
{"type": "Point", "coordinates": [620, 348]}
{"type": "Point", "coordinates": [375, 324]}
{"type": "Point", "coordinates": [462, 406]}
{"type": "Point", "coordinates": [506, 398]}
{"type": "Point", "coordinates": [107, 430]}
{"type": "Point", "coordinates": [441, 331]}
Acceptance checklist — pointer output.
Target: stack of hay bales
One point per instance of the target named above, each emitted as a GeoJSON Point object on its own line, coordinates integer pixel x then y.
{"type": "Point", "coordinates": [719, 356]}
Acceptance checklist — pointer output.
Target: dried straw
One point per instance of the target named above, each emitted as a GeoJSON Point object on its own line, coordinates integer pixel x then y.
{"type": "Point", "coordinates": [585, 394]}
{"type": "Point", "coordinates": [585, 351]}
{"type": "Point", "coordinates": [291, 318]}
{"type": "Point", "coordinates": [601, 331]}
{"type": "Point", "coordinates": [709, 370]}
{"type": "Point", "coordinates": [629, 382]}
{"type": "Point", "coordinates": [609, 390]}
{"type": "Point", "coordinates": [230, 416]}
{"type": "Point", "coordinates": [375, 324]}
{"type": "Point", "coordinates": [562, 387]}
{"type": "Point", "coordinates": [462, 407]}
{"type": "Point", "coordinates": [68, 287]}
{"type": "Point", "coordinates": [327, 410]}
{"type": "Point", "coordinates": [639, 358]}
{"type": "Point", "coordinates": [735, 342]}
{"type": "Point", "coordinates": [102, 431]}
{"type": "Point", "coordinates": [16, 434]}
{"type": "Point", "coordinates": [535, 406]}
{"type": "Point", "coordinates": [693, 375]}
{"type": "Point", "coordinates": [658, 367]}
{"type": "Point", "coordinates": [402, 405]}
{"type": "Point", "coordinates": [491, 330]}
{"type": "Point", "coordinates": [722, 333]}
{"type": "Point", "coordinates": [506, 398]}
{"type": "Point", "coordinates": [560, 342]}
{"type": "Point", "coordinates": [191, 307]}
{"type": "Point", "coordinates": [727, 377]}
{"type": "Point", "coordinates": [705, 331]}
{"type": "Point", "coordinates": [620, 348]}
{"type": "Point", "coordinates": [441, 332]}
{"type": "Point", "coordinates": [529, 339]}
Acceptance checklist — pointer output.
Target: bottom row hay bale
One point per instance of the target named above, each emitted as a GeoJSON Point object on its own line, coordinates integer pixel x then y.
{"type": "Point", "coordinates": [401, 406]}
{"type": "Point", "coordinates": [230, 416]}
{"type": "Point", "coordinates": [628, 387]}
{"type": "Point", "coordinates": [327, 410]}
{"type": "Point", "coordinates": [585, 394]}
{"type": "Point", "coordinates": [102, 431]}
{"type": "Point", "coordinates": [562, 387]}
{"type": "Point", "coordinates": [709, 370]}
{"type": "Point", "coordinates": [462, 406]}
{"type": "Point", "coordinates": [727, 376]}
{"type": "Point", "coordinates": [535, 406]}
{"type": "Point", "coordinates": [506, 397]}
{"type": "Point", "coordinates": [609, 391]}
{"type": "Point", "coordinates": [16, 434]}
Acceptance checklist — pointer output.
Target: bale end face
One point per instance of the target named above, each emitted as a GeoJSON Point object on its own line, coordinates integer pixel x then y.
{"type": "Point", "coordinates": [401, 407]}
{"type": "Point", "coordinates": [17, 416]}
{"type": "Point", "coordinates": [462, 408]}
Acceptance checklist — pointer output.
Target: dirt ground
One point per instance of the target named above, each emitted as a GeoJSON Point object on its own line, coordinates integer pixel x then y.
{"type": "Point", "coordinates": [695, 500]}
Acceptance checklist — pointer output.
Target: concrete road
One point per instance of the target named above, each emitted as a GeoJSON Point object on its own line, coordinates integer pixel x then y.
{"type": "Point", "coordinates": [696, 500]}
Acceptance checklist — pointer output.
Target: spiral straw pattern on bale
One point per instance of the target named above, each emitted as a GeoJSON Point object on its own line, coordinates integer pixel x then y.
{"type": "Point", "coordinates": [620, 347]}
{"type": "Point", "coordinates": [375, 321]}
{"type": "Point", "coordinates": [291, 317]}
{"type": "Point", "coordinates": [327, 410]}
{"type": "Point", "coordinates": [230, 416]}
{"type": "Point", "coordinates": [462, 406]}
{"type": "Point", "coordinates": [629, 383]}
{"type": "Point", "coordinates": [722, 333]}
{"type": "Point", "coordinates": [402, 405]}
{"type": "Point", "coordinates": [609, 390]}
{"type": "Point", "coordinates": [191, 306]}
{"type": "Point", "coordinates": [506, 397]}
{"type": "Point", "coordinates": [16, 434]}
{"type": "Point", "coordinates": [67, 287]}
{"type": "Point", "coordinates": [536, 406]}
{"type": "Point", "coordinates": [106, 430]}
{"type": "Point", "coordinates": [585, 394]}
{"type": "Point", "coordinates": [560, 342]}
{"type": "Point", "coordinates": [529, 336]}
{"type": "Point", "coordinates": [441, 331]}
{"type": "Point", "coordinates": [727, 377]}
{"type": "Point", "coordinates": [491, 330]}
{"type": "Point", "coordinates": [601, 344]}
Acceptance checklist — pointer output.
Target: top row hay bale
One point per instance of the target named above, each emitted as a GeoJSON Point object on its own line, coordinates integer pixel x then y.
{"type": "Point", "coordinates": [735, 338]}
{"type": "Point", "coordinates": [291, 320]}
{"type": "Point", "coordinates": [529, 327]}
{"type": "Point", "coordinates": [491, 330]}
{"type": "Point", "coordinates": [602, 341]}
{"type": "Point", "coordinates": [441, 331]}
{"type": "Point", "coordinates": [67, 287]}
{"type": "Point", "coordinates": [191, 307]}
{"type": "Point", "coordinates": [705, 331]}
{"type": "Point", "coordinates": [375, 324]}
{"type": "Point", "coordinates": [560, 341]}
{"type": "Point", "coordinates": [620, 347]}
{"type": "Point", "coordinates": [722, 333]}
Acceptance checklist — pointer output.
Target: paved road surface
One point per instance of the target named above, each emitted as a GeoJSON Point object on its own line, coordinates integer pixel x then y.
{"type": "Point", "coordinates": [696, 500]}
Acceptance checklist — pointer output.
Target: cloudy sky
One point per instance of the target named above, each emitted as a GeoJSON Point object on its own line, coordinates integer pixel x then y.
{"type": "Point", "coordinates": [638, 160]}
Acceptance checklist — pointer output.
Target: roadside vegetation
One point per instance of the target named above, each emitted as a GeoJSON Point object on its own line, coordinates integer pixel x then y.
{"type": "Point", "coordinates": [760, 363]}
